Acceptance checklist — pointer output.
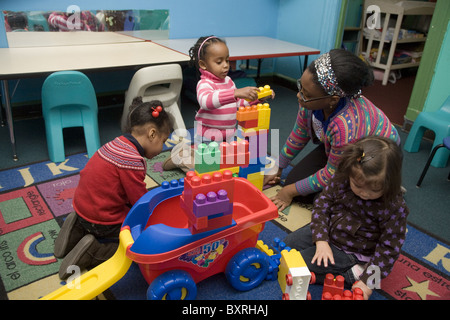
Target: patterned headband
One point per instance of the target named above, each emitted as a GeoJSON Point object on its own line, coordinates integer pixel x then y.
{"type": "Point", "coordinates": [327, 77]}
{"type": "Point", "coordinates": [201, 46]}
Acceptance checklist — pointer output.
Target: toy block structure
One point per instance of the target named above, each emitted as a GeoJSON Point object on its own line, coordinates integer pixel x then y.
{"type": "Point", "coordinates": [293, 274]}
{"type": "Point", "coordinates": [245, 157]}
{"type": "Point", "coordinates": [333, 289]}
{"type": "Point", "coordinates": [207, 200]}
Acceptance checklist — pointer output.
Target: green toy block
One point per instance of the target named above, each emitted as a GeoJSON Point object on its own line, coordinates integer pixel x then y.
{"type": "Point", "coordinates": [207, 157]}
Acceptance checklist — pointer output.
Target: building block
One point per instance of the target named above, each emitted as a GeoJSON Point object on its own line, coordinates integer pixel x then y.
{"type": "Point", "coordinates": [206, 200]}
{"type": "Point", "coordinates": [247, 113]}
{"type": "Point", "coordinates": [251, 168]}
{"type": "Point", "coordinates": [234, 154]}
{"type": "Point", "coordinates": [333, 286]}
{"type": "Point", "coordinates": [249, 123]}
{"type": "Point", "coordinates": [294, 275]}
{"type": "Point", "coordinates": [357, 294]}
{"type": "Point", "coordinates": [207, 157]}
{"type": "Point", "coordinates": [264, 92]}
{"type": "Point", "coordinates": [234, 170]}
{"type": "Point", "coordinates": [257, 179]}
{"type": "Point", "coordinates": [216, 181]}
{"type": "Point", "coordinates": [212, 203]}
{"type": "Point", "coordinates": [263, 116]}
{"type": "Point", "coordinates": [274, 260]}
{"type": "Point", "coordinates": [258, 144]}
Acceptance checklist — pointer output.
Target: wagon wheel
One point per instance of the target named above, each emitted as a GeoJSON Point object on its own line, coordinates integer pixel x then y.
{"type": "Point", "coordinates": [172, 285]}
{"type": "Point", "coordinates": [247, 269]}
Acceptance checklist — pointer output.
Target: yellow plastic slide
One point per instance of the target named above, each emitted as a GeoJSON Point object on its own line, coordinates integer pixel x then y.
{"type": "Point", "coordinates": [97, 280]}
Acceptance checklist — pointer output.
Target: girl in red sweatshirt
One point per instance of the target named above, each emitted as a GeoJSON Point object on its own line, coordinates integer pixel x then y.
{"type": "Point", "coordinates": [111, 182]}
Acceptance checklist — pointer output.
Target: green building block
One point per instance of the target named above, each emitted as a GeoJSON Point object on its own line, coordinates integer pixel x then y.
{"type": "Point", "coordinates": [207, 157]}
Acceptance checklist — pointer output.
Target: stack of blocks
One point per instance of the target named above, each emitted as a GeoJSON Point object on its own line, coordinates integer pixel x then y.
{"type": "Point", "coordinates": [333, 289]}
{"type": "Point", "coordinates": [246, 157]}
{"type": "Point", "coordinates": [208, 200]}
{"type": "Point", "coordinates": [292, 272]}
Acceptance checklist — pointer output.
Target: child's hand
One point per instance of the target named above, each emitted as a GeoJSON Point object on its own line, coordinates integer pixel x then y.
{"type": "Point", "coordinates": [323, 254]}
{"type": "Point", "coordinates": [249, 93]}
{"type": "Point", "coordinates": [365, 289]}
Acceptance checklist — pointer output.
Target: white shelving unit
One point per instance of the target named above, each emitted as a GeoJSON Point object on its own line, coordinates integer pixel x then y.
{"type": "Point", "coordinates": [391, 11]}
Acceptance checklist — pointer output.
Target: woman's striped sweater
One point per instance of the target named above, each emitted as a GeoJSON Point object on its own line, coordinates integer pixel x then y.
{"type": "Point", "coordinates": [357, 119]}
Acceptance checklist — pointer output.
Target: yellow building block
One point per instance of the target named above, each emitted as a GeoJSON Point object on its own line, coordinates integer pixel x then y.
{"type": "Point", "coordinates": [257, 179]}
{"type": "Point", "coordinates": [263, 116]}
{"type": "Point", "coordinates": [293, 275]}
{"type": "Point", "coordinates": [264, 92]}
{"type": "Point", "coordinates": [264, 248]}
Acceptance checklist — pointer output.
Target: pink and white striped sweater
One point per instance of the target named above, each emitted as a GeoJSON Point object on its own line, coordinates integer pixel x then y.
{"type": "Point", "coordinates": [218, 105]}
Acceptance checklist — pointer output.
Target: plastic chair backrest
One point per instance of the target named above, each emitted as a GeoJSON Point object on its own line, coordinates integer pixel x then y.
{"type": "Point", "coordinates": [161, 82]}
{"type": "Point", "coordinates": [68, 88]}
{"type": "Point", "coordinates": [445, 108]}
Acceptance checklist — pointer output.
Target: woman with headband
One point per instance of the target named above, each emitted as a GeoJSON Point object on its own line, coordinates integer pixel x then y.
{"type": "Point", "coordinates": [332, 114]}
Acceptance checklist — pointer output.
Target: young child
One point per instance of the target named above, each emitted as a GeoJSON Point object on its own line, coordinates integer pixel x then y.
{"type": "Point", "coordinates": [218, 97]}
{"type": "Point", "coordinates": [358, 223]}
{"type": "Point", "coordinates": [111, 182]}
{"type": "Point", "coordinates": [217, 94]}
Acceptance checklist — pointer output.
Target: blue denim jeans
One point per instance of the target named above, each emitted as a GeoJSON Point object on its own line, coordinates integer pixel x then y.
{"type": "Point", "coordinates": [301, 240]}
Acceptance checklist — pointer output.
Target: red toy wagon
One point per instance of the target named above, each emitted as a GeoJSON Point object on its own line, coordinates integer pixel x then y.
{"type": "Point", "coordinates": [183, 232]}
{"type": "Point", "coordinates": [188, 230]}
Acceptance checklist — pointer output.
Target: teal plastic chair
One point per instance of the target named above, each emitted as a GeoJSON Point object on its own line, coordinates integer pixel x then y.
{"type": "Point", "coordinates": [69, 100]}
{"type": "Point", "coordinates": [439, 122]}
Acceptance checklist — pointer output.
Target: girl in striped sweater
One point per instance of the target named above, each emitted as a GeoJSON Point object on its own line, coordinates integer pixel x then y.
{"type": "Point", "coordinates": [332, 114]}
{"type": "Point", "coordinates": [217, 94]}
{"type": "Point", "coordinates": [110, 184]}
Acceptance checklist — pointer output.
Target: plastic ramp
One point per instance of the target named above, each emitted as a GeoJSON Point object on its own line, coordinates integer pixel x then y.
{"type": "Point", "coordinates": [97, 280]}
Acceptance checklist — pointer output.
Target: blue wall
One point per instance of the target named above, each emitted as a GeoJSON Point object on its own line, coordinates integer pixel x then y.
{"type": "Point", "coordinates": [309, 23]}
{"type": "Point", "coordinates": [188, 19]}
{"type": "Point", "coordinates": [306, 22]}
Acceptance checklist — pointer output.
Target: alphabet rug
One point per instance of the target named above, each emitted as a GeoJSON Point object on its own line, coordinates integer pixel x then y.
{"type": "Point", "coordinates": [35, 199]}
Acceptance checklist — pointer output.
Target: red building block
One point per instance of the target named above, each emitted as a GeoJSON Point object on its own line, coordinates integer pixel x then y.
{"type": "Point", "coordinates": [248, 124]}
{"type": "Point", "coordinates": [234, 154]}
{"type": "Point", "coordinates": [332, 287]}
{"type": "Point", "coordinates": [194, 185]}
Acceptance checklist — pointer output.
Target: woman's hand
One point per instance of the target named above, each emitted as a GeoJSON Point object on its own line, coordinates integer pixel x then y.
{"type": "Point", "coordinates": [284, 197]}
{"type": "Point", "coordinates": [323, 254]}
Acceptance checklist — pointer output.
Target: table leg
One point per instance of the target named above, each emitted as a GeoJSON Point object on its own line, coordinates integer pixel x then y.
{"type": "Point", "coordinates": [259, 69]}
{"type": "Point", "coordinates": [9, 118]}
{"type": "Point", "coordinates": [305, 63]}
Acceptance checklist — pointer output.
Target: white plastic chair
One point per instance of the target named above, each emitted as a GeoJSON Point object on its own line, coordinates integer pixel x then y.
{"type": "Point", "coordinates": [162, 83]}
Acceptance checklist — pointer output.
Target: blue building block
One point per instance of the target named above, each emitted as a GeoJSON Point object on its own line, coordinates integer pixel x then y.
{"type": "Point", "coordinates": [252, 168]}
